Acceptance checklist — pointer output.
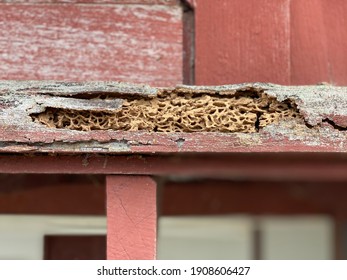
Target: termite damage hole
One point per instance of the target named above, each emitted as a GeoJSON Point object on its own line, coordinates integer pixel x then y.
{"type": "Point", "coordinates": [244, 111]}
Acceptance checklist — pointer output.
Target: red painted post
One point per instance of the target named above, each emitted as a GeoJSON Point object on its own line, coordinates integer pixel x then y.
{"type": "Point", "coordinates": [131, 217]}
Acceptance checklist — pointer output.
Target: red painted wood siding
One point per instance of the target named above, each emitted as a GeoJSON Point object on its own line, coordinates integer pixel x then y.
{"type": "Point", "coordinates": [242, 41]}
{"type": "Point", "coordinates": [280, 41]}
{"type": "Point", "coordinates": [319, 41]}
{"type": "Point", "coordinates": [134, 43]}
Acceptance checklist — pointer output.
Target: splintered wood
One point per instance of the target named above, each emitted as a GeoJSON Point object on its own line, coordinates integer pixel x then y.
{"type": "Point", "coordinates": [100, 117]}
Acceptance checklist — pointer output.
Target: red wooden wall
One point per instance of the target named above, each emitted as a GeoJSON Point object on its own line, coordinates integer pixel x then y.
{"type": "Point", "coordinates": [279, 41]}
{"type": "Point", "coordinates": [134, 41]}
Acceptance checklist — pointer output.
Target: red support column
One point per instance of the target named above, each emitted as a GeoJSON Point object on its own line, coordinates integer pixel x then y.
{"type": "Point", "coordinates": [131, 217]}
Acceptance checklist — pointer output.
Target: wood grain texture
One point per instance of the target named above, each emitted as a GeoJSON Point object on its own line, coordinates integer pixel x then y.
{"type": "Point", "coordinates": [321, 127]}
{"type": "Point", "coordinates": [131, 218]}
{"type": "Point", "coordinates": [242, 41]}
{"type": "Point", "coordinates": [318, 42]}
{"type": "Point", "coordinates": [136, 43]}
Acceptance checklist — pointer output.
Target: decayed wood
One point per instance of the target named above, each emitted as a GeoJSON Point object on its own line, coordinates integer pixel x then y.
{"type": "Point", "coordinates": [322, 127]}
{"type": "Point", "coordinates": [135, 42]}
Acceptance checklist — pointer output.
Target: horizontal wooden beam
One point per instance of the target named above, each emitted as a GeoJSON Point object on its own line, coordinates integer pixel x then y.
{"type": "Point", "coordinates": [86, 195]}
{"type": "Point", "coordinates": [216, 197]}
{"type": "Point", "coordinates": [113, 118]}
{"type": "Point", "coordinates": [52, 194]}
{"type": "Point", "coordinates": [259, 166]}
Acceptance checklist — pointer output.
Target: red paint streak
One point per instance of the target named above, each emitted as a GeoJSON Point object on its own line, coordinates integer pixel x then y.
{"type": "Point", "coordinates": [131, 218]}
{"type": "Point", "coordinates": [134, 43]}
{"type": "Point", "coordinates": [242, 41]}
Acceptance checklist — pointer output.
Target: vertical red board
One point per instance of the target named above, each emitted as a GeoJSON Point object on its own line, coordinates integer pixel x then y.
{"type": "Point", "coordinates": [319, 41]}
{"type": "Point", "coordinates": [83, 42]}
{"type": "Point", "coordinates": [309, 56]}
{"type": "Point", "coordinates": [242, 41]}
{"type": "Point", "coordinates": [131, 218]}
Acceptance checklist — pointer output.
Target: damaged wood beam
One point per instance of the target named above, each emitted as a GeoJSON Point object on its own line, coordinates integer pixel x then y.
{"type": "Point", "coordinates": [114, 118]}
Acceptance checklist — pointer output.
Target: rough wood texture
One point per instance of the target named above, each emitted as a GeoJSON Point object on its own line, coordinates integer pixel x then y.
{"type": "Point", "coordinates": [320, 126]}
{"type": "Point", "coordinates": [75, 42]}
{"type": "Point", "coordinates": [131, 218]}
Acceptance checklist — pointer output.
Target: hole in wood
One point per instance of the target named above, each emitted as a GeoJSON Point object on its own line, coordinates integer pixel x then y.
{"type": "Point", "coordinates": [170, 111]}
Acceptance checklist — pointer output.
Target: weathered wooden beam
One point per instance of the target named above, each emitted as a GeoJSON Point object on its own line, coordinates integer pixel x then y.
{"type": "Point", "coordinates": [113, 118]}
